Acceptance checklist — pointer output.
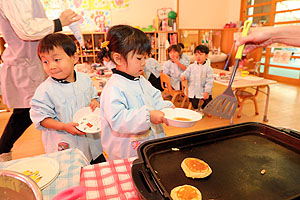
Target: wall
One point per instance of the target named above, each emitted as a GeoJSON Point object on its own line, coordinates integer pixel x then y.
{"type": "Point", "coordinates": [208, 14]}
{"type": "Point", "coordinates": [141, 12]}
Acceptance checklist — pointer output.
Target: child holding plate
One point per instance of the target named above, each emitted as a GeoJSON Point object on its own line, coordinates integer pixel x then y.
{"type": "Point", "coordinates": [130, 106]}
{"type": "Point", "coordinates": [58, 98]}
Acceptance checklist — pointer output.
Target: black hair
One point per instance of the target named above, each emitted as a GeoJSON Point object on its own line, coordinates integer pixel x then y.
{"type": "Point", "coordinates": [181, 45]}
{"type": "Point", "coordinates": [52, 40]}
{"type": "Point", "coordinates": [124, 39]}
{"type": "Point", "coordinates": [103, 53]}
{"type": "Point", "coordinates": [174, 47]}
{"type": "Point", "coordinates": [202, 49]}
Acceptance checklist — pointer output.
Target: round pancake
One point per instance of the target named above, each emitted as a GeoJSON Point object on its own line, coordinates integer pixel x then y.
{"type": "Point", "coordinates": [185, 192]}
{"type": "Point", "coordinates": [195, 168]}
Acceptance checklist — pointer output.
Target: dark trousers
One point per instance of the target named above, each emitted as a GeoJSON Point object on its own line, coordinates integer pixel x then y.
{"type": "Point", "coordinates": [195, 102]}
{"type": "Point", "coordinates": [18, 122]}
{"type": "Point", "coordinates": [155, 82]}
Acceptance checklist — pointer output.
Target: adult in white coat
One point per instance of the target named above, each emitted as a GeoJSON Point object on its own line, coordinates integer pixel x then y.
{"type": "Point", "coordinates": [23, 23]}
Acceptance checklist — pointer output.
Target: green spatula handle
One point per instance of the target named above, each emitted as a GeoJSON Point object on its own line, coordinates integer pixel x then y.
{"type": "Point", "coordinates": [247, 25]}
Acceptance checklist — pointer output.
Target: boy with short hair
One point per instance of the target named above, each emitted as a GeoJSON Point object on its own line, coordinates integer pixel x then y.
{"type": "Point", "coordinates": [60, 96]}
{"type": "Point", "coordinates": [200, 78]}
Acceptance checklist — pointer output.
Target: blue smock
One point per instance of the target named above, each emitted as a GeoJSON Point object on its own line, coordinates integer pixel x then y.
{"type": "Point", "coordinates": [125, 116]}
{"type": "Point", "coordinates": [60, 101]}
{"type": "Point", "coordinates": [200, 79]}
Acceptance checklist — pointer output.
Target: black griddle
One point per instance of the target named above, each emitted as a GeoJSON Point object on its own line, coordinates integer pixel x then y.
{"type": "Point", "coordinates": [237, 154]}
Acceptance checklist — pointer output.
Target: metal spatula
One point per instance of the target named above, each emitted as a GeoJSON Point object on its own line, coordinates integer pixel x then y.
{"type": "Point", "coordinates": [225, 104]}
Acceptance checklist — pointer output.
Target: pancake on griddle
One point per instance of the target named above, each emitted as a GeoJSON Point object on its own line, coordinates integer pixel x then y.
{"type": "Point", "coordinates": [185, 192]}
{"type": "Point", "coordinates": [195, 168]}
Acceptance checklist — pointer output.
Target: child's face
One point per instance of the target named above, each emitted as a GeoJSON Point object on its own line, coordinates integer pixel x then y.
{"type": "Point", "coordinates": [58, 64]}
{"type": "Point", "coordinates": [135, 64]}
{"type": "Point", "coordinates": [200, 57]}
{"type": "Point", "coordinates": [173, 55]}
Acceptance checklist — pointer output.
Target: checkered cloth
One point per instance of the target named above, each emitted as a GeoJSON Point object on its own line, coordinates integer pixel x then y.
{"type": "Point", "coordinates": [70, 163]}
{"type": "Point", "coordinates": [110, 180]}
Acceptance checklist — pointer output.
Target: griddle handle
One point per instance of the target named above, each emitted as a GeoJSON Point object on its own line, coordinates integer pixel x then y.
{"type": "Point", "coordinates": [143, 182]}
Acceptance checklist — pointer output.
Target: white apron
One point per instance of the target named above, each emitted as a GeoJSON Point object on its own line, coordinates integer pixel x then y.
{"type": "Point", "coordinates": [22, 24]}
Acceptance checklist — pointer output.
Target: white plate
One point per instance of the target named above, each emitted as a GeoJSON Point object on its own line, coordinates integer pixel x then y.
{"type": "Point", "coordinates": [188, 117]}
{"type": "Point", "coordinates": [42, 170]}
{"type": "Point", "coordinates": [89, 121]}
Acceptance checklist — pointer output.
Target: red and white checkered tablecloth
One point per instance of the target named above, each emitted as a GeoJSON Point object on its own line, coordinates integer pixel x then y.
{"type": "Point", "coordinates": [109, 180]}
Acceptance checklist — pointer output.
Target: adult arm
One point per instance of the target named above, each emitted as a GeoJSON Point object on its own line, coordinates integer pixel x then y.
{"type": "Point", "coordinates": [264, 36]}
{"type": "Point", "coordinates": [20, 13]}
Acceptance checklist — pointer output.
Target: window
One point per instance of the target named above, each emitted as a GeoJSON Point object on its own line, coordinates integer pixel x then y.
{"type": "Point", "coordinates": [275, 13]}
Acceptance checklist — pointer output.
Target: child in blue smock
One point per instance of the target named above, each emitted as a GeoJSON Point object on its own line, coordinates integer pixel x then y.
{"type": "Point", "coordinates": [130, 106]}
{"type": "Point", "coordinates": [175, 66]}
{"type": "Point", "coordinates": [200, 78]}
{"type": "Point", "coordinates": [60, 96]}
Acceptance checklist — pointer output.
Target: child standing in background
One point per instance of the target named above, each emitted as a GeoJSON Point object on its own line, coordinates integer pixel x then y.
{"type": "Point", "coordinates": [130, 105]}
{"type": "Point", "coordinates": [200, 78]}
{"type": "Point", "coordinates": [152, 72]}
{"type": "Point", "coordinates": [173, 67]}
{"type": "Point", "coordinates": [62, 94]}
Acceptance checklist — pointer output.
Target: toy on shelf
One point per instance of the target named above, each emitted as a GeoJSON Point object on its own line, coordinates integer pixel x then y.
{"type": "Point", "coordinates": [162, 15]}
{"type": "Point", "coordinates": [172, 20]}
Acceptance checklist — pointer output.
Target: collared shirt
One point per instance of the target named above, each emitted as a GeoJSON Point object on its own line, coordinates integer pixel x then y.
{"type": "Point", "coordinates": [126, 75]}
{"type": "Point", "coordinates": [60, 102]}
{"type": "Point", "coordinates": [125, 105]}
{"type": "Point", "coordinates": [63, 80]}
{"type": "Point", "coordinates": [200, 79]}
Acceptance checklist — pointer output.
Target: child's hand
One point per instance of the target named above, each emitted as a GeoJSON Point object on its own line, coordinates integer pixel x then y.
{"type": "Point", "coordinates": [205, 95]}
{"type": "Point", "coordinates": [71, 128]}
{"type": "Point", "coordinates": [94, 104]}
{"type": "Point", "coordinates": [157, 117]}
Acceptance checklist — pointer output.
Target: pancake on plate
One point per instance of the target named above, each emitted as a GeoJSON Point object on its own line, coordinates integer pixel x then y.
{"type": "Point", "coordinates": [195, 168]}
{"type": "Point", "coordinates": [185, 192]}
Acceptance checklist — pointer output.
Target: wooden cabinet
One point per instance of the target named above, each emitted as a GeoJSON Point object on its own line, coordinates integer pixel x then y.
{"type": "Point", "coordinates": [93, 42]}
{"type": "Point", "coordinates": [218, 65]}
{"type": "Point", "coordinates": [159, 43]}
{"type": "Point", "coordinates": [191, 38]}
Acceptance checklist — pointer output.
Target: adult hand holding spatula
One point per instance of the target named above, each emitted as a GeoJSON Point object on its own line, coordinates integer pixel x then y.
{"type": "Point", "coordinates": [225, 104]}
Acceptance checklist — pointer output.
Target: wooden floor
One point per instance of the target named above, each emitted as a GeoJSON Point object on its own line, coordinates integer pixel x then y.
{"type": "Point", "coordinates": [284, 111]}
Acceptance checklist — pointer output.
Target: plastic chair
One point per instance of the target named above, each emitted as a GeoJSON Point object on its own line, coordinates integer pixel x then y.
{"type": "Point", "coordinates": [242, 96]}
{"type": "Point", "coordinates": [167, 88]}
{"type": "Point", "coordinates": [184, 90]}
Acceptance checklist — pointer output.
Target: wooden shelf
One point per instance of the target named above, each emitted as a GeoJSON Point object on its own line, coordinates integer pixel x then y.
{"type": "Point", "coordinates": [93, 41]}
